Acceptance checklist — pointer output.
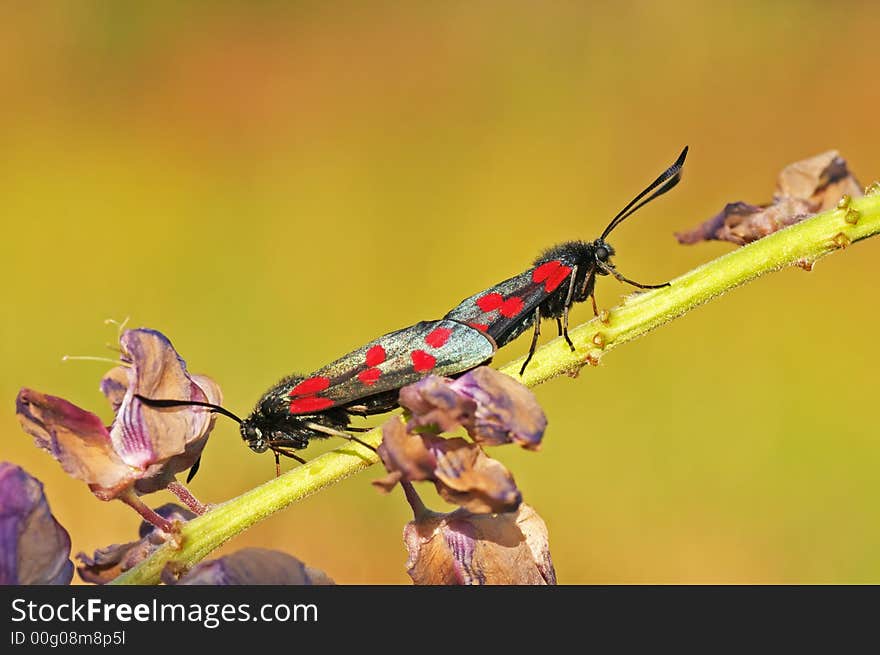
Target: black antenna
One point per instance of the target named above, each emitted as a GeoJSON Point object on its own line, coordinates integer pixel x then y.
{"type": "Point", "coordinates": [163, 402]}
{"type": "Point", "coordinates": [668, 179]}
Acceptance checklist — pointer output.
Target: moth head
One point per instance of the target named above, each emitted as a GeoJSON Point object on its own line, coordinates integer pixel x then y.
{"type": "Point", "coordinates": [253, 436]}
{"type": "Point", "coordinates": [602, 253]}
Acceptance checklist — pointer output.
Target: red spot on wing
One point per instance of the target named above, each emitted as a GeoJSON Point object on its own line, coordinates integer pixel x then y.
{"type": "Point", "coordinates": [309, 404]}
{"type": "Point", "coordinates": [375, 356]}
{"type": "Point", "coordinates": [552, 273]}
{"type": "Point", "coordinates": [482, 327]}
{"type": "Point", "coordinates": [511, 307]}
{"type": "Point", "coordinates": [369, 376]}
{"type": "Point", "coordinates": [422, 361]}
{"type": "Point", "coordinates": [545, 270]}
{"type": "Point", "coordinates": [310, 386]}
{"type": "Point", "coordinates": [557, 278]}
{"type": "Point", "coordinates": [438, 337]}
{"type": "Point", "coordinates": [490, 301]}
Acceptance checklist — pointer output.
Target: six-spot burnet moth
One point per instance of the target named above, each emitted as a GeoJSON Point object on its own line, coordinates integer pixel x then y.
{"type": "Point", "coordinates": [366, 381]}
{"type": "Point", "coordinates": [560, 277]}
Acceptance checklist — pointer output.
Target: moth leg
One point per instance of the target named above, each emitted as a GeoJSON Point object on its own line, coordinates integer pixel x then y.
{"type": "Point", "coordinates": [535, 336]}
{"type": "Point", "coordinates": [287, 453]}
{"type": "Point", "coordinates": [317, 427]}
{"type": "Point", "coordinates": [565, 330]}
{"type": "Point", "coordinates": [570, 294]}
{"type": "Point", "coordinates": [568, 300]}
{"type": "Point", "coordinates": [351, 437]}
{"type": "Point", "coordinates": [638, 285]}
{"type": "Point", "coordinates": [595, 309]}
{"type": "Point", "coordinates": [559, 327]}
{"type": "Point", "coordinates": [280, 451]}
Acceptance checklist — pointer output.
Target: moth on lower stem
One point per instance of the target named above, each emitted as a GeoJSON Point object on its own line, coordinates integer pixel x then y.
{"type": "Point", "coordinates": [364, 382]}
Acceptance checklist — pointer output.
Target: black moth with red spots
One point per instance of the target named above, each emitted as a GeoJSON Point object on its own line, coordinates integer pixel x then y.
{"type": "Point", "coordinates": [365, 381]}
{"type": "Point", "coordinates": [560, 277]}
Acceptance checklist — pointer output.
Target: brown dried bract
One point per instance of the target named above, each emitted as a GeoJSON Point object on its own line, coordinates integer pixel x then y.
{"type": "Point", "coordinates": [492, 407]}
{"type": "Point", "coordinates": [466, 548]}
{"type": "Point", "coordinates": [107, 563]}
{"type": "Point", "coordinates": [461, 472]}
{"type": "Point", "coordinates": [145, 447]}
{"type": "Point", "coordinates": [803, 189]}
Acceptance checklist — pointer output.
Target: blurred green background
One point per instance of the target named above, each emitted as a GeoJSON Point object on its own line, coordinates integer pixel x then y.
{"type": "Point", "coordinates": [272, 185]}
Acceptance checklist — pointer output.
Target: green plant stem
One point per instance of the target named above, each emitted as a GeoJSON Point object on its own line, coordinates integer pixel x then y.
{"type": "Point", "coordinates": [801, 244]}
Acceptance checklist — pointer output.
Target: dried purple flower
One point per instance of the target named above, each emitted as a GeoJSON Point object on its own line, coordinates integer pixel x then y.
{"type": "Point", "coordinates": [254, 566]}
{"type": "Point", "coordinates": [34, 547]}
{"type": "Point", "coordinates": [107, 563]}
{"type": "Point", "coordinates": [477, 549]}
{"type": "Point", "coordinates": [144, 448]}
{"type": "Point", "coordinates": [803, 188]}
{"type": "Point", "coordinates": [462, 473]}
{"type": "Point", "coordinates": [494, 408]}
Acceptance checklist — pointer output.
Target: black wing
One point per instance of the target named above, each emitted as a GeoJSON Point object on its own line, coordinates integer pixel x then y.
{"type": "Point", "coordinates": [444, 347]}
{"type": "Point", "coordinates": [506, 310]}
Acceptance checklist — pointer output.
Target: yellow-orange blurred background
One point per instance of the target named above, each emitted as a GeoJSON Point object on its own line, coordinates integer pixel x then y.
{"type": "Point", "coordinates": [273, 185]}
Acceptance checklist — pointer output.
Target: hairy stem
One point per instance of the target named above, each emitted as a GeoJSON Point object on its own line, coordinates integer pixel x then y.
{"type": "Point", "coordinates": [801, 244]}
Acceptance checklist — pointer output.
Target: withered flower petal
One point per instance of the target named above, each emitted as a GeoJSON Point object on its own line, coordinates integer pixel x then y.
{"type": "Point", "coordinates": [535, 531]}
{"type": "Point", "coordinates": [162, 442]}
{"type": "Point", "coordinates": [803, 189]}
{"type": "Point", "coordinates": [34, 547]}
{"type": "Point", "coordinates": [405, 455]}
{"type": "Point", "coordinates": [77, 439]}
{"type": "Point", "coordinates": [114, 385]}
{"type": "Point", "coordinates": [492, 407]}
{"type": "Point", "coordinates": [109, 562]}
{"type": "Point", "coordinates": [434, 403]}
{"type": "Point", "coordinates": [820, 180]}
{"type": "Point", "coordinates": [145, 447]}
{"type": "Point", "coordinates": [255, 566]}
{"type": "Point", "coordinates": [466, 548]}
{"type": "Point", "coordinates": [466, 476]}
{"type": "Point", "coordinates": [507, 411]}
{"type": "Point", "coordinates": [742, 223]}
{"type": "Point", "coordinates": [462, 473]}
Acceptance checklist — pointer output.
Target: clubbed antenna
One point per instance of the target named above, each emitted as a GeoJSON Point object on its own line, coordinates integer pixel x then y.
{"type": "Point", "coordinates": [667, 180]}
